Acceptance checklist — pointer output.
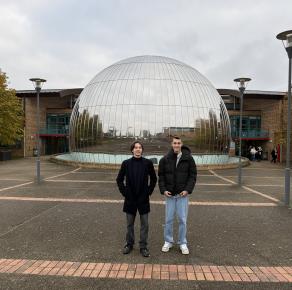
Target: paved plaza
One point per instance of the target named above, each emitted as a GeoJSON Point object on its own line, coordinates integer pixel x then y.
{"type": "Point", "coordinates": [68, 232]}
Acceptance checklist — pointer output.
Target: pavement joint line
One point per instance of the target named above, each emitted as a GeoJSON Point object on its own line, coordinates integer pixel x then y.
{"type": "Point", "coordinates": [30, 182]}
{"type": "Point", "coordinates": [225, 191]}
{"type": "Point", "coordinates": [13, 179]}
{"type": "Point", "coordinates": [266, 185]}
{"type": "Point", "coordinates": [262, 194]}
{"type": "Point", "coordinates": [27, 221]}
{"type": "Point", "coordinates": [62, 174]}
{"type": "Point", "coordinates": [118, 201]}
{"type": "Point", "coordinates": [218, 203]}
{"type": "Point", "coordinates": [259, 168]}
{"type": "Point", "coordinates": [248, 188]}
{"type": "Point", "coordinates": [98, 270]}
{"type": "Point", "coordinates": [223, 178]}
{"type": "Point", "coordinates": [259, 177]}
{"type": "Point", "coordinates": [82, 181]}
{"type": "Point", "coordinates": [114, 182]}
{"type": "Point", "coordinates": [116, 173]}
{"type": "Point", "coordinates": [15, 186]}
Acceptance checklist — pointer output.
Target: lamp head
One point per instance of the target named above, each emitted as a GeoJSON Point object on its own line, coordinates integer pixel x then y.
{"type": "Point", "coordinates": [242, 83]}
{"type": "Point", "coordinates": [286, 38]}
{"type": "Point", "coordinates": [37, 83]}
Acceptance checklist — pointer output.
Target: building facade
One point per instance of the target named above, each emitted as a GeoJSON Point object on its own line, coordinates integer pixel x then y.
{"type": "Point", "coordinates": [264, 120]}
{"type": "Point", "coordinates": [55, 111]}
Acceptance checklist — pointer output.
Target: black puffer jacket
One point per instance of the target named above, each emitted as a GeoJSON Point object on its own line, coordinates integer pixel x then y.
{"type": "Point", "coordinates": [136, 200]}
{"type": "Point", "coordinates": [176, 179]}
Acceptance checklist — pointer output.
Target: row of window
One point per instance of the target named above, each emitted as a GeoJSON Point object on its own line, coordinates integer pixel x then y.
{"type": "Point", "coordinates": [248, 123]}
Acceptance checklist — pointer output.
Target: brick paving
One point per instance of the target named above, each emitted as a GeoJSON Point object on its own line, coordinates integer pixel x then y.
{"type": "Point", "coordinates": [148, 271]}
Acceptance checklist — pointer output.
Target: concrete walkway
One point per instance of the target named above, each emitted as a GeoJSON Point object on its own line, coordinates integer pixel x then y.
{"type": "Point", "coordinates": [68, 232]}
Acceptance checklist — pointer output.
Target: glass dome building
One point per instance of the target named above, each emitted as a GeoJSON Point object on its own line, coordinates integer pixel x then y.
{"type": "Point", "coordinates": [148, 98]}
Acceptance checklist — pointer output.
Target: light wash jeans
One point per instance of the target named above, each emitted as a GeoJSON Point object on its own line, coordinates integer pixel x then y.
{"type": "Point", "coordinates": [176, 205]}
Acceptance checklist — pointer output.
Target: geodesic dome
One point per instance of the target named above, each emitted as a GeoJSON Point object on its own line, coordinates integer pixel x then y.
{"type": "Point", "coordinates": [149, 98]}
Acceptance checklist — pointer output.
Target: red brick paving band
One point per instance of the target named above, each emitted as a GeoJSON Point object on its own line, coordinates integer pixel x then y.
{"type": "Point", "coordinates": [148, 271]}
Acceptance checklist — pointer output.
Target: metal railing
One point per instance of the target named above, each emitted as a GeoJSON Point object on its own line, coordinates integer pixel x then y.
{"type": "Point", "coordinates": [55, 130]}
{"type": "Point", "coordinates": [251, 133]}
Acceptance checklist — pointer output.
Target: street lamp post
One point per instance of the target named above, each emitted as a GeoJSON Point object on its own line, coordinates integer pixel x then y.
{"type": "Point", "coordinates": [286, 38]}
{"type": "Point", "coordinates": [37, 82]}
{"type": "Point", "coordinates": [241, 83]}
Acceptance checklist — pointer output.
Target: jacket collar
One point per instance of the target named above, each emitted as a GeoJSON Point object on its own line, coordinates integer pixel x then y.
{"type": "Point", "coordinates": [185, 153]}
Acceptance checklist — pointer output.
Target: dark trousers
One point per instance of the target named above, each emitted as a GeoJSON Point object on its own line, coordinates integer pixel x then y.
{"type": "Point", "coordinates": [130, 237]}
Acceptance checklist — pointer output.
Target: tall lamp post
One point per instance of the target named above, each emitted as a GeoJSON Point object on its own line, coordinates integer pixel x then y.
{"type": "Point", "coordinates": [37, 83]}
{"type": "Point", "coordinates": [286, 37]}
{"type": "Point", "coordinates": [241, 83]}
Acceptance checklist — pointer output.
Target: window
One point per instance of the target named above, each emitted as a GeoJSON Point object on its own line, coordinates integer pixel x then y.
{"type": "Point", "coordinates": [58, 123]}
{"type": "Point", "coordinates": [251, 125]}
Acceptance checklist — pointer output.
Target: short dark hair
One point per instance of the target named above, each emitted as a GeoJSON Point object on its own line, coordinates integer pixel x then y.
{"type": "Point", "coordinates": [134, 143]}
{"type": "Point", "coordinates": [176, 137]}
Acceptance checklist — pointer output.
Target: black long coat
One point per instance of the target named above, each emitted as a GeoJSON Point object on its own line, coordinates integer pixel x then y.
{"type": "Point", "coordinates": [176, 179]}
{"type": "Point", "coordinates": [136, 201]}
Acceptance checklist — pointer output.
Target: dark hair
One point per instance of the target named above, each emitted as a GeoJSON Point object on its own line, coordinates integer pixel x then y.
{"type": "Point", "coordinates": [134, 143]}
{"type": "Point", "coordinates": [175, 137]}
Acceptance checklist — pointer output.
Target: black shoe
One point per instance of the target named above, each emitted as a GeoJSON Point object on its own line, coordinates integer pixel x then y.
{"type": "Point", "coordinates": [145, 252]}
{"type": "Point", "coordinates": [127, 249]}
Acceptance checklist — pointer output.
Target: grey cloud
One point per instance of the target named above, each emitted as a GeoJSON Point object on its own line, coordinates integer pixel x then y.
{"type": "Point", "coordinates": [68, 42]}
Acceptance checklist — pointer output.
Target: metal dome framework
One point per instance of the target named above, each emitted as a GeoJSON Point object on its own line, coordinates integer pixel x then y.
{"type": "Point", "coordinates": [149, 98]}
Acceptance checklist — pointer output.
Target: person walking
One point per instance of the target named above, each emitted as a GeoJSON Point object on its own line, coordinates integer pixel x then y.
{"type": "Point", "coordinates": [274, 155]}
{"type": "Point", "coordinates": [260, 153]}
{"type": "Point", "coordinates": [177, 174]}
{"type": "Point", "coordinates": [136, 191]}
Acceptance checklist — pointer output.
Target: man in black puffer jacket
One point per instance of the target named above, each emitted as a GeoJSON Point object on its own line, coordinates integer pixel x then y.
{"type": "Point", "coordinates": [136, 170]}
{"type": "Point", "coordinates": [177, 177]}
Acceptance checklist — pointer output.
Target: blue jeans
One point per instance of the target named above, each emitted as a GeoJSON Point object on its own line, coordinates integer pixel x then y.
{"type": "Point", "coordinates": [176, 205]}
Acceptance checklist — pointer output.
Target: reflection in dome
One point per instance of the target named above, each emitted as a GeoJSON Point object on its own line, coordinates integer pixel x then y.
{"type": "Point", "coordinates": [149, 98]}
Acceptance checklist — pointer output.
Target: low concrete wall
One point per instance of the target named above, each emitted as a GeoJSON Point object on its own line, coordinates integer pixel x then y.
{"type": "Point", "coordinates": [245, 162]}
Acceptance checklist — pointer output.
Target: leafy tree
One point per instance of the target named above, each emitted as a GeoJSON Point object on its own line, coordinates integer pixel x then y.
{"type": "Point", "coordinates": [11, 114]}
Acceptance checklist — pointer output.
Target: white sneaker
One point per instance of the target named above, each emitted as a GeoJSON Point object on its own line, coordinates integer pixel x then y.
{"type": "Point", "coordinates": [184, 249]}
{"type": "Point", "coordinates": [166, 247]}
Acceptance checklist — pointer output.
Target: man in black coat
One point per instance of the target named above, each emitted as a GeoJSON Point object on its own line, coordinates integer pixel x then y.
{"type": "Point", "coordinates": [136, 192]}
{"type": "Point", "coordinates": [177, 177]}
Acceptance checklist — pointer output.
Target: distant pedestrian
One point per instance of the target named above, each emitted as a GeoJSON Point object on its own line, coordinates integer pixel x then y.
{"type": "Point", "coordinates": [274, 155]}
{"type": "Point", "coordinates": [137, 170]}
{"type": "Point", "coordinates": [253, 153]}
{"type": "Point", "coordinates": [259, 153]}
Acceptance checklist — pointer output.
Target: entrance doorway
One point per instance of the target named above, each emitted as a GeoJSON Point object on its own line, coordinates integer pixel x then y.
{"type": "Point", "coordinates": [56, 145]}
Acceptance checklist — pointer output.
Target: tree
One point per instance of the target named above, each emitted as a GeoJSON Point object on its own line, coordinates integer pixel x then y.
{"type": "Point", "coordinates": [11, 114]}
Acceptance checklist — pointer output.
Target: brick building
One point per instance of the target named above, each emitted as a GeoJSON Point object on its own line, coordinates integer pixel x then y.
{"type": "Point", "coordinates": [264, 119]}
{"type": "Point", "coordinates": [55, 110]}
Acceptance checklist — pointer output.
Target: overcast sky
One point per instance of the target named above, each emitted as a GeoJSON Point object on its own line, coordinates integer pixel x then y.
{"type": "Point", "coordinates": [68, 42]}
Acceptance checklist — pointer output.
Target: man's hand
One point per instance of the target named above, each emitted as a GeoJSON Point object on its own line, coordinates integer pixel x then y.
{"type": "Point", "coordinates": [167, 193]}
{"type": "Point", "coordinates": [184, 193]}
